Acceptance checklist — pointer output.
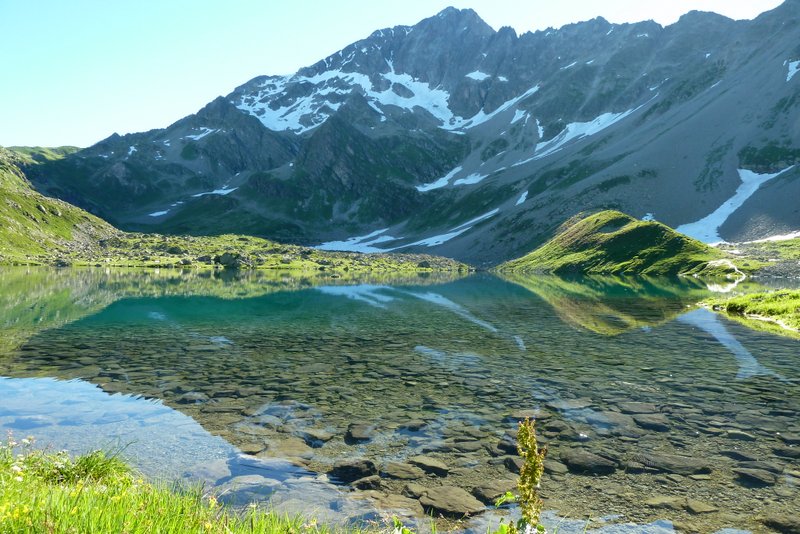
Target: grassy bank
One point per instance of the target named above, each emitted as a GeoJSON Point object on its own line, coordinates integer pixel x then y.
{"type": "Point", "coordinates": [774, 311]}
{"type": "Point", "coordinates": [98, 492]}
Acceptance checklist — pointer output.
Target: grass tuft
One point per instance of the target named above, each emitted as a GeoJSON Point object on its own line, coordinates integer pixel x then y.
{"type": "Point", "coordinates": [97, 492]}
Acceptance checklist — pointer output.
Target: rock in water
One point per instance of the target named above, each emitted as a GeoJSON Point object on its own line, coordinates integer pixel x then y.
{"type": "Point", "coordinates": [670, 463]}
{"type": "Point", "coordinates": [450, 502]}
{"type": "Point", "coordinates": [430, 465]}
{"type": "Point", "coordinates": [358, 432]}
{"type": "Point", "coordinates": [350, 471]}
{"type": "Point", "coordinates": [583, 461]}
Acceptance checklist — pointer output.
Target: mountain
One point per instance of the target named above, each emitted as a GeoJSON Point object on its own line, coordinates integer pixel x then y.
{"type": "Point", "coordinates": [455, 139]}
{"type": "Point", "coordinates": [35, 229]}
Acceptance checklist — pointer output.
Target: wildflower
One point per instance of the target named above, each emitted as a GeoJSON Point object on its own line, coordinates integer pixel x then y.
{"type": "Point", "coordinates": [15, 468]}
{"type": "Point", "coordinates": [212, 502]}
{"type": "Point", "coordinates": [18, 479]}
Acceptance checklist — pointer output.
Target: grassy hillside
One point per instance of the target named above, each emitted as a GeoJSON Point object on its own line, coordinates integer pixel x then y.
{"type": "Point", "coordinates": [611, 242]}
{"type": "Point", "coordinates": [34, 225]}
{"type": "Point", "coordinates": [35, 229]}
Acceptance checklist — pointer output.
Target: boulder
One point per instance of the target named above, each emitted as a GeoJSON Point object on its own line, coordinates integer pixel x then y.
{"type": "Point", "coordinates": [430, 465]}
{"type": "Point", "coordinates": [450, 501]}
{"type": "Point", "coordinates": [583, 461]}
{"type": "Point", "coordinates": [351, 470]}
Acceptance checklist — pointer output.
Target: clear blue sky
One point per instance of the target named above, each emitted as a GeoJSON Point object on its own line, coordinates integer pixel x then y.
{"type": "Point", "coordinates": [75, 71]}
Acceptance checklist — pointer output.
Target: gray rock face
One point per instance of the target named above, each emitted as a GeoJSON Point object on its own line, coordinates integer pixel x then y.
{"type": "Point", "coordinates": [450, 501]}
{"type": "Point", "coordinates": [538, 126]}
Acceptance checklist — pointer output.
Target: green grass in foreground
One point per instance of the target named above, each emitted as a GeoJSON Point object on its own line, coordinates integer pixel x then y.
{"type": "Point", "coordinates": [780, 308]}
{"type": "Point", "coordinates": [98, 492]}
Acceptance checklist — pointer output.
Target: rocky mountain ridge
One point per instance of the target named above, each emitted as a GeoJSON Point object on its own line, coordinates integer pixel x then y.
{"type": "Point", "coordinates": [452, 138]}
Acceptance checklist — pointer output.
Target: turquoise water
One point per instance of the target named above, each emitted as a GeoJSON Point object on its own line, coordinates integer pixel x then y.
{"type": "Point", "coordinates": [261, 385]}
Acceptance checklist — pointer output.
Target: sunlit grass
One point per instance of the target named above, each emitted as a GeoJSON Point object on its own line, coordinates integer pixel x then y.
{"type": "Point", "coordinates": [98, 493]}
{"type": "Point", "coordinates": [781, 307]}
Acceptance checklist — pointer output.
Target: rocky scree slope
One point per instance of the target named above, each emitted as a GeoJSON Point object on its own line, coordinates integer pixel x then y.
{"type": "Point", "coordinates": [452, 138]}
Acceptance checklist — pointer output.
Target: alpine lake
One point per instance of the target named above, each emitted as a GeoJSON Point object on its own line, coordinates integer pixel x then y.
{"type": "Point", "coordinates": [354, 400]}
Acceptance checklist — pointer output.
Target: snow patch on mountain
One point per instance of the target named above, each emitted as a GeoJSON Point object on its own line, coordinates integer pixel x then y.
{"type": "Point", "coordinates": [325, 92]}
{"type": "Point", "coordinates": [305, 112]}
{"type": "Point", "coordinates": [522, 198]}
{"type": "Point", "coordinates": [222, 192]}
{"type": "Point", "coordinates": [441, 182]}
{"type": "Point", "coordinates": [455, 232]}
{"type": "Point", "coordinates": [158, 213]}
{"type": "Point", "coordinates": [707, 228]}
{"type": "Point", "coordinates": [473, 178]}
{"type": "Point", "coordinates": [478, 75]}
{"type": "Point", "coordinates": [360, 244]}
{"type": "Point", "coordinates": [366, 243]}
{"type": "Point", "coordinates": [518, 116]}
{"type": "Point", "coordinates": [575, 130]}
{"type": "Point", "coordinates": [203, 132]}
{"type": "Point", "coordinates": [794, 68]}
{"type": "Point", "coordinates": [482, 117]}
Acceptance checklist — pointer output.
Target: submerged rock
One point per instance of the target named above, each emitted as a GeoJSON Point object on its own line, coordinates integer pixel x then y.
{"type": "Point", "coordinates": [402, 471]}
{"type": "Point", "coordinates": [450, 501]}
{"type": "Point", "coordinates": [670, 463]}
{"type": "Point", "coordinates": [358, 432]}
{"type": "Point", "coordinates": [350, 471]}
{"type": "Point", "coordinates": [492, 490]}
{"type": "Point", "coordinates": [756, 477]}
{"type": "Point", "coordinates": [584, 461]}
{"type": "Point", "coordinates": [430, 465]}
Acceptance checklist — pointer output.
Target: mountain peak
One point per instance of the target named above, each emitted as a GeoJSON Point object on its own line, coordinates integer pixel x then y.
{"type": "Point", "coordinates": [455, 12]}
{"type": "Point", "coordinates": [465, 17]}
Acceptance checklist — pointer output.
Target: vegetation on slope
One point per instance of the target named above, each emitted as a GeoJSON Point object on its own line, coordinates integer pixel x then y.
{"type": "Point", "coordinates": [35, 229]}
{"type": "Point", "coordinates": [34, 225]}
{"type": "Point", "coordinates": [610, 242]}
{"type": "Point", "coordinates": [774, 311]}
{"type": "Point", "coordinates": [97, 492]}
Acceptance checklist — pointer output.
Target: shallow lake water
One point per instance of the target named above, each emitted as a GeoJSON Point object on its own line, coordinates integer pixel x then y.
{"type": "Point", "coordinates": [655, 413]}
